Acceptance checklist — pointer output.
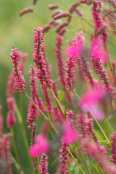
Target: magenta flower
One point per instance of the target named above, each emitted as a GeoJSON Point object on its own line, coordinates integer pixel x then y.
{"type": "Point", "coordinates": [19, 79]}
{"type": "Point", "coordinates": [41, 146]}
{"type": "Point", "coordinates": [34, 150]}
{"type": "Point", "coordinates": [74, 50]}
{"type": "Point", "coordinates": [90, 101]}
{"type": "Point", "coordinates": [97, 49]}
{"type": "Point", "coordinates": [70, 135]}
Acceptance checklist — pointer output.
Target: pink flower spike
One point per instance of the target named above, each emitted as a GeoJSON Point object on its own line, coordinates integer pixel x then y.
{"type": "Point", "coordinates": [34, 150]}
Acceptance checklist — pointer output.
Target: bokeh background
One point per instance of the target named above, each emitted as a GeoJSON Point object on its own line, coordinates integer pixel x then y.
{"type": "Point", "coordinates": [18, 31]}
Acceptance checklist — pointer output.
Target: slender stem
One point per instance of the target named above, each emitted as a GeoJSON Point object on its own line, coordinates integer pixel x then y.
{"type": "Point", "coordinates": [24, 136]}
{"type": "Point", "coordinates": [101, 129]}
{"type": "Point", "coordinates": [106, 128]}
{"type": "Point", "coordinates": [76, 161]}
{"type": "Point", "coordinates": [57, 101]}
{"type": "Point", "coordinates": [36, 106]}
{"type": "Point", "coordinates": [36, 165]}
{"type": "Point", "coordinates": [14, 146]}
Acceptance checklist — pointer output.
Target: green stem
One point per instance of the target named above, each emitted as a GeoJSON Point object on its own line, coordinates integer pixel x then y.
{"type": "Point", "coordinates": [36, 165]}
{"type": "Point", "coordinates": [24, 137]}
{"type": "Point", "coordinates": [57, 101]}
{"type": "Point", "coordinates": [76, 161]}
{"type": "Point", "coordinates": [14, 146]}
{"type": "Point", "coordinates": [106, 128]}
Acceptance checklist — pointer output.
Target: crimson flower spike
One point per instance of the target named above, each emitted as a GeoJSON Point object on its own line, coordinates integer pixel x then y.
{"type": "Point", "coordinates": [19, 79]}
{"type": "Point", "coordinates": [53, 6]}
{"type": "Point", "coordinates": [63, 159]}
{"type": "Point", "coordinates": [26, 10]}
{"type": "Point", "coordinates": [43, 164]}
{"type": "Point", "coordinates": [39, 59]}
{"type": "Point", "coordinates": [34, 2]}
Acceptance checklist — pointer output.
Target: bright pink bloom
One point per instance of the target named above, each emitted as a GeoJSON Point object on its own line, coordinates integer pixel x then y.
{"type": "Point", "coordinates": [90, 101]}
{"type": "Point", "coordinates": [41, 146]}
{"type": "Point", "coordinates": [70, 135]}
{"type": "Point", "coordinates": [74, 50]}
{"type": "Point", "coordinates": [19, 79]}
{"type": "Point", "coordinates": [43, 168]}
{"type": "Point", "coordinates": [34, 150]}
{"type": "Point", "coordinates": [97, 49]}
{"type": "Point", "coordinates": [42, 143]}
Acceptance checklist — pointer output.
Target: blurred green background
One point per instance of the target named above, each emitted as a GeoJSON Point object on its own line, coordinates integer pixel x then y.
{"type": "Point", "coordinates": [18, 31]}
